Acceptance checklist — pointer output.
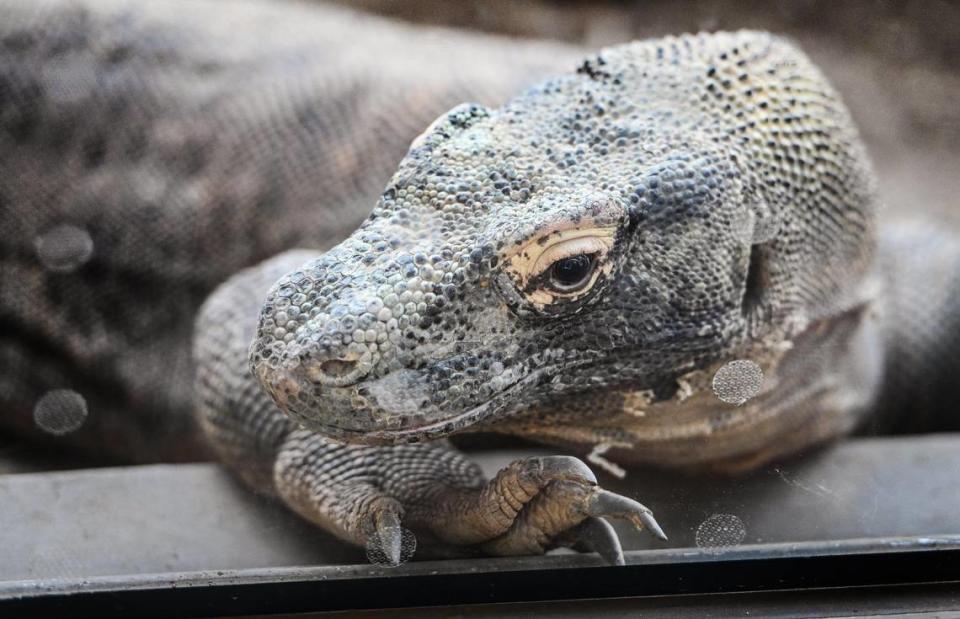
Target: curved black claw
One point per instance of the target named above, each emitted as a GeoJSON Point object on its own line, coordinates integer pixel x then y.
{"type": "Point", "coordinates": [608, 504]}
{"type": "Point", "coordinates": [390, 535]}
{"type": "Point", "coordinates": [596, 535]}
{"type": "Point", "coordinates": [387, 544]}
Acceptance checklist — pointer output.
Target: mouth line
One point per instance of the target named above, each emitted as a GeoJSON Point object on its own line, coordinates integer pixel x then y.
{"type": "Point", "coordinates": [451, 424]}
{"type": "Point", "coordinates": [440, 427]}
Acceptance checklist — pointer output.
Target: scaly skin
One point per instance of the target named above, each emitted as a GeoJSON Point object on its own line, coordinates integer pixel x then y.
{"type": "Point", "coordinates": [573, 267]}
{"type": "Point", "coordinates": [190, 146]}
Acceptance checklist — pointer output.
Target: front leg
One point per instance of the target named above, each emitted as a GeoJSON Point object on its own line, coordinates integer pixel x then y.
{"type": "Point", "coordinates": [368, 495]}
{"type": "Point", "coordinates": [363, 495]}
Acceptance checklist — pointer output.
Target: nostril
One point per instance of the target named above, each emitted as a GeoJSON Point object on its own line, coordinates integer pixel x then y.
{"type": "Point", "coordinates": [335, 372]}
{"type": "Point", "coordinates": [338, 368]}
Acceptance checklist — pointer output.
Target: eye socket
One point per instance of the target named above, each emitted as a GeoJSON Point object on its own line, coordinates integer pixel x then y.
{"type": "Point", "coordinates": [573, 272]}
{"type": "Point", "coordinates": [561, 264]}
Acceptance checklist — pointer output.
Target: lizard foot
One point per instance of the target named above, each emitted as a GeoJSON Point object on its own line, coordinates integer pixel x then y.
{"type": "Point", "coordinates": [377, 497]}
{"type": "Point", "coordinates": [556, 502]}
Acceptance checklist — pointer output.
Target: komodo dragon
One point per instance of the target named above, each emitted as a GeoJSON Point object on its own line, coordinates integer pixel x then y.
{"type": "Point", "coordinates": [575, 267]}
{"type": "Point", "coordinates": [579, 266]}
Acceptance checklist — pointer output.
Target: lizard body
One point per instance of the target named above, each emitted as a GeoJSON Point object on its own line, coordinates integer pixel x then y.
{"type": "Point", "coordinates": [575, 267]}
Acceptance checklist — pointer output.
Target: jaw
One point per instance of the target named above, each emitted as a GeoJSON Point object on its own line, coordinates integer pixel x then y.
{"type": "Point", "coordinates": [391, 410]}
{"type": "Point", "coordinates": [396, 408]}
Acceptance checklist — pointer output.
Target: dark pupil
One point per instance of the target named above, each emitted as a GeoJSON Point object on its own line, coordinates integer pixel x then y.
{"type": "Point", "coordinates": [571, 271]}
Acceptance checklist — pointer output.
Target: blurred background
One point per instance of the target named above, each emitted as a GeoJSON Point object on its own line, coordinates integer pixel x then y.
{"type": "Point", "coordinates": [896, 63]}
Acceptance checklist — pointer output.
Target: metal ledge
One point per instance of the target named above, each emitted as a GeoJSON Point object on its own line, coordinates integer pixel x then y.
{"type": "Point", "coordinates": [742, 570]}
{"type": "Point", "coordinates": [67, 531]}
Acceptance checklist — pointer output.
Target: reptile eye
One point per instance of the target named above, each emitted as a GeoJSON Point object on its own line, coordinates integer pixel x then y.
{"type": "Point", "coordinates": [573, 272]}
{"type": "Point", "coordinates": [561, 264]}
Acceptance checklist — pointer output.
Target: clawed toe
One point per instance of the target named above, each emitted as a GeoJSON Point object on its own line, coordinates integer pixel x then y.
{"type": "Point", "coordinates": [563, 506]}
{"type": "Point", "coordinates": [389, 535]}
{"type": "Point", "coordinates": [610, 505]}
{"type": "Point", "coordinates": [603, 503]}
{"type": "Point", "coordinates": [389, 543]}
{"type": "Point", "coordinates": [531, 506]}
{"type": "Point", "coordinates": [594, 535]}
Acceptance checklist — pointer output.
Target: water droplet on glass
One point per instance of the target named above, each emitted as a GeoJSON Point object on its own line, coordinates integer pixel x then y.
{"type": "Point", "coordinates": [737, 381]}
{"type": "Point", "coordinates": [720, 531]}
{"type": "Point", "coordinates": [60, 412]}
{"type": "Point", "coordinates": [64, 248]}
{"type": "Point", "coordinates": [377, 556]}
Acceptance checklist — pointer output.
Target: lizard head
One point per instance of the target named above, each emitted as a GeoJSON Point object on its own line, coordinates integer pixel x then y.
{"type": "Point", "coordinates": [618, 226]}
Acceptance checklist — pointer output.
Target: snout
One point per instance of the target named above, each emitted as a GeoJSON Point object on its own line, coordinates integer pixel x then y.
{"type": "Point", "coordinates": [337, 412]}
{"type": "Point", "coordinates": [345, 346]}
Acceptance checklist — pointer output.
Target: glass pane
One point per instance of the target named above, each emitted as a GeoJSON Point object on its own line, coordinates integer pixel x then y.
{"type": "Point", "coordinates": [272, 294]}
